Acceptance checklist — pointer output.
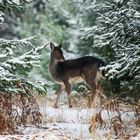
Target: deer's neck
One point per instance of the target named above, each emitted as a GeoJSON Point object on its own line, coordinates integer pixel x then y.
{"type": "Point", "coordinates": [55, 60]}
{"type": "Point", "coordinates": [53, 67]}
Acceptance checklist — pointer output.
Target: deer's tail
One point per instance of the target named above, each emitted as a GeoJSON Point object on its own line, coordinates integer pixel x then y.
{"type": "Point", "coordinates": [102, 69]}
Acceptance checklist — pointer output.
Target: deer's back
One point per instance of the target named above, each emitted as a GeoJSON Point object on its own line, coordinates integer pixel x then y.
{"type": "Point", "coordinates": [64, 70]}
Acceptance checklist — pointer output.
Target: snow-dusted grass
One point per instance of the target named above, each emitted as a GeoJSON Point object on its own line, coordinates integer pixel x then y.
{"type": "Point", "coordinates": [66, 123]}
{"type": "Point", "coordinates": [75, 121]}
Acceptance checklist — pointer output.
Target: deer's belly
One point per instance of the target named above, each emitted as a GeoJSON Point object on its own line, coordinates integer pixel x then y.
{"type": "Point", "coordinates": [72, 80]}
{"type": "Point", "coordinates": [77, 79]}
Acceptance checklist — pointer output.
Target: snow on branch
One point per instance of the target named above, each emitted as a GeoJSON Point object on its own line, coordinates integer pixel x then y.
{"type": "Point", "coordinates": [14, 68]}
{"type": "Point", "coordinates": [119, 31]}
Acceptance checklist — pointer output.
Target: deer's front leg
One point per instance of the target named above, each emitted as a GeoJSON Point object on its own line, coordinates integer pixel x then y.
{"type": "Point", "coordinates": [58, 92]}
{"type": "Point", "coordinates": [68, 90]}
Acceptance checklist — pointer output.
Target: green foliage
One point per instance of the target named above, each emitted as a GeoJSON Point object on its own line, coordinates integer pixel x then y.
{"type": "Point", "coordinates": [10, 5]}
{"type": "Point", "coordinates": [87, 13]}
{"type": "Point", "coordinates": [118, 34]}
{"type": "Point", "coordinates": [120, 28]}
{"type": "Point", "coordinates": [106, 29]}
{"type": "Point", "coordinates": [16, 64]}
{"type": "Point", "coordinates": [15, 68]}
{"type": "Point", "coordinates": [111, 31]}
{"type": "Point", "coordinates": [50, 23]}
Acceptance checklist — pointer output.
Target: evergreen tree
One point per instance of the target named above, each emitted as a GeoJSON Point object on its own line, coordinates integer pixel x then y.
{"type": "Point", "coordinates": [10, 10]}
{"type": "Point", "coordinates": [15, 87]}
{"type": "Point", "coordinates": [87, 13]}
{"type": "Point", "coordinates": [118, 35]}
{"type": "Point", "coordinates": [110, 30]}
{"type": "Point", "coordinates": [16, 64]}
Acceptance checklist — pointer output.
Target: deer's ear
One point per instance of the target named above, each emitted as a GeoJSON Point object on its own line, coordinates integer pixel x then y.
{"type": "Point", "coordinates": [52, 46]}
{"type": "Point", "coordinates": [60, 45]}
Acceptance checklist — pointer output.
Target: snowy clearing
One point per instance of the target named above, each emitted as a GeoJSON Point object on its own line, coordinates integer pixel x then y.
{"type": "Point", "coordinates": [66, 123]}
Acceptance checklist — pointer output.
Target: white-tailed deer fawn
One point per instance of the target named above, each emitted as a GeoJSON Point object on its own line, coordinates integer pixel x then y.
{"type": "Point", "coordinates": [64, 71]}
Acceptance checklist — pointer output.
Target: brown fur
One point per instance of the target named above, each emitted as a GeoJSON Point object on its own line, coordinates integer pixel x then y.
{"type": "Point", "coordinates": [65, 71]}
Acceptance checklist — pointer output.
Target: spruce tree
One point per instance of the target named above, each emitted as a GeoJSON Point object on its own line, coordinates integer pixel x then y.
{"type": "Point", "coordinates": [118, 35]}
{"type": "Point", "coordinates": [17, 59]}
{"type": "Point", "coordinates": [110, 30]}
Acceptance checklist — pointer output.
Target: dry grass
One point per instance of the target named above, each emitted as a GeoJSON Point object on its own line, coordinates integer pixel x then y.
{"type": "Point", "coordinates": [117, 120]}
{"type": "Point", "coordinates": [17, 109]}
{"type": "Point", "coordinates": [22, 109]}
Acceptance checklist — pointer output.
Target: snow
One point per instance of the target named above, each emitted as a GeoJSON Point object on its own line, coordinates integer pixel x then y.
{"type": "Point", "coordinates": [76, 121]}
{"type": "Point", "coordinates": [16, 1]}
{"type": "Point", "coordinates": [66, 123]}
{"type": "Point", "coordinates": [1, 16]}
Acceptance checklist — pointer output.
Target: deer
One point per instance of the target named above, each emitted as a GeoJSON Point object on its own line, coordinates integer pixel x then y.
{"type": "Point", "coordinates": [65, 72]}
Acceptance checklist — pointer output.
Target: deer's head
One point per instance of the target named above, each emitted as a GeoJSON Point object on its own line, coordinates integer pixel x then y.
{"type": "Point", "coordinates": [56, 52]}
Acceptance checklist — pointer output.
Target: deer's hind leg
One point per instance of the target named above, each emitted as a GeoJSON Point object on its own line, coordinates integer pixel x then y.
{"type": "Point", "coordinates": [58, 93]}
{"type": "Point", "coordinates": [90, 78]}
{"type": "Point", "coordinates": [92, 86]}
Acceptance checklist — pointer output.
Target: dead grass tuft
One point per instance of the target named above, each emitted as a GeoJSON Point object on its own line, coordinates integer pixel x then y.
{"type": "Point", "coordinates": [117, 119]}
{"type": "Point", "coordinates": [17, 109]}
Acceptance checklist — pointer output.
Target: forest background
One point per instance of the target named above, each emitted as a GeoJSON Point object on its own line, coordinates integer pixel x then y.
{"type": "Point", "coordinates": [106, 29]}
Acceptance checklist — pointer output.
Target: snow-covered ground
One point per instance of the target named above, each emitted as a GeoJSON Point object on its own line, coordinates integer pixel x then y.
{"type": "Point", "coordinates": [75, 121]}
{"type": "Point", "coordinates": [66, 123]}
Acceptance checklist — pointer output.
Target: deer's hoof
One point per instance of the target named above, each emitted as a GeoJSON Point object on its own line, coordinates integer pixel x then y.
{"type": "Point", "coordinates": [70, 106]}
{"type": "Point", "coordinates": [55, 106]}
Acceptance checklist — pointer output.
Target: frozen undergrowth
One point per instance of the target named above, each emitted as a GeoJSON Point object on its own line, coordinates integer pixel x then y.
{"type": "Point", "coordinates": [68, 124]}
